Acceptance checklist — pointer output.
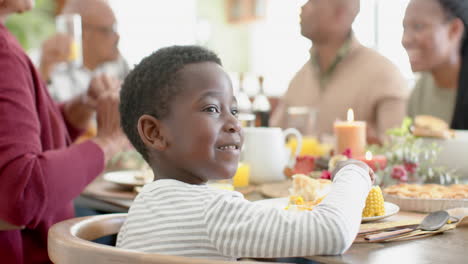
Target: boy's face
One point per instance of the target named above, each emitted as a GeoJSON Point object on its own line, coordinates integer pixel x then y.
{"type": "Point", "coordinates": [203, 134]}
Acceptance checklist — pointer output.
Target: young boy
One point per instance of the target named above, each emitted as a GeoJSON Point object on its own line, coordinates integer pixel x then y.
{"type": "Point", "coordinates": [179, 111]}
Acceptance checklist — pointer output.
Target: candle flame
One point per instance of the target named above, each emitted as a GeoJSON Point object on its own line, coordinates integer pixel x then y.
{"type": "Point", "coordinates": [350, 115]}
{"type": "Point", "coordinates": [368, 155]}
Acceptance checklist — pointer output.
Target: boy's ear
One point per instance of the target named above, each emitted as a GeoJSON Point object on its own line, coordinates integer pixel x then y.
{"type": "Point", "coordinates": [149, 129]}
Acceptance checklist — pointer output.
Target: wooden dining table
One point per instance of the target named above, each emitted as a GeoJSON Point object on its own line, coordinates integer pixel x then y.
{"type": "Point", "coordinates": [448, 247]}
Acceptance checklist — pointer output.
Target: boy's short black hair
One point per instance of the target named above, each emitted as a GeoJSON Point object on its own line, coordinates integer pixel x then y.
{"type": "Point", "coordinates": [150, 87]}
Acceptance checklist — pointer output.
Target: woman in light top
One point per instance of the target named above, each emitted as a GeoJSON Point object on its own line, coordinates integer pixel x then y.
{"type": "Point", "coordinates": [434, 37]}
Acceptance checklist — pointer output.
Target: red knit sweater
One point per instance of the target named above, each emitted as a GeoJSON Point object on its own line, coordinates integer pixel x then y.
{"type": "Point", "coordinates": [40, 171]}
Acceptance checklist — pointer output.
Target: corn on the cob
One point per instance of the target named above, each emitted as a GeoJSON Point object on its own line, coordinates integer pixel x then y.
{"type": "Point", "coordinates": [374, 203]}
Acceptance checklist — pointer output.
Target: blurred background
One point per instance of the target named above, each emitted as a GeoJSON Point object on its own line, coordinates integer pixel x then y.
{"type": "Point", "coordinates": [253, 37]}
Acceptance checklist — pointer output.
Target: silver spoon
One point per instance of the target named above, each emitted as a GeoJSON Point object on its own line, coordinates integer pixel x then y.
{"type": "Point", "coordinates": [431, 222]}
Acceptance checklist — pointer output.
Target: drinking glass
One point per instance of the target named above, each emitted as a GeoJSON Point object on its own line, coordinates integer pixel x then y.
{"type": "Point", "coordinates": [302, 118]}
{"type": "Point", "coordinates": [70, 24]}
{"type": "Point", "coordinates": [246, 119]}
{"type": "Point", "coordinates": [241, 178]}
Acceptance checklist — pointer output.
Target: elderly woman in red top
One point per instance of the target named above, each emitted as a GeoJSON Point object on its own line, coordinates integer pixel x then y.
{"type": "Point", "coordinates": [41, 171]}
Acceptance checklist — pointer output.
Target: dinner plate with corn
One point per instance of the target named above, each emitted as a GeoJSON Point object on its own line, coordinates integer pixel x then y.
{"type": "Point", "coordinates": [283, 203]}
{"type": "Point", "coordinates": [308, 193]}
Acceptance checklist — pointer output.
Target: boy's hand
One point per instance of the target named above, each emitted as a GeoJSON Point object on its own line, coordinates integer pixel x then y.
{"type": "Point", "coordinates": [361, 164]}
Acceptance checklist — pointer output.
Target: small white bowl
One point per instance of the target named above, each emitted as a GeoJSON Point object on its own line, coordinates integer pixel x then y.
{"type": "Point", "coordinates": [454, 152]}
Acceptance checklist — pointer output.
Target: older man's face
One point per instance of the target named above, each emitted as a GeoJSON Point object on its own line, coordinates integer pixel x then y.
{"type": "Point", "coordinates": [316, 19]}
{"type": "Point", "coordinates": [100, 37]}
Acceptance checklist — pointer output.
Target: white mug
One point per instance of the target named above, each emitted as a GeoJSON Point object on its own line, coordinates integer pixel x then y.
{"type": "Point", "coordinates": [266, 153]}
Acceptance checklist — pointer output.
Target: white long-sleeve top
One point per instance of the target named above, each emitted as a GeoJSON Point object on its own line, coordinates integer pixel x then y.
{"type": "Point", "coordinates": [176, 218]}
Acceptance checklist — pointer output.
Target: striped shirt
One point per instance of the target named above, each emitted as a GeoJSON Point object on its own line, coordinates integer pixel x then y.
{"type": "Point", "coordinates": [175, 218]}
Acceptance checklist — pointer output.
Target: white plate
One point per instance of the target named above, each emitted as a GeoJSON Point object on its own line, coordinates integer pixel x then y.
{"type": "Point", "coordinates": [281, 203]}
{"type": "Point", "coordinates": [125, 178]}
{"type": "Point", "coordinates": [390, 209]}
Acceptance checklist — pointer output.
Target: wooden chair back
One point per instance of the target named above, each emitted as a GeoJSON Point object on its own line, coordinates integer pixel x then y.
{"type": "Point", "coordinates": [70, 242]}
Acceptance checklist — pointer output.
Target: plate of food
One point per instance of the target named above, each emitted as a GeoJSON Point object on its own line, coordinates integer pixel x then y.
{"type": "Point", "coordinates": [129, 178]}
{"type": "Point", "coordinates": [306, 193]}
{"type": "Point", "coordinates": [284, 203]}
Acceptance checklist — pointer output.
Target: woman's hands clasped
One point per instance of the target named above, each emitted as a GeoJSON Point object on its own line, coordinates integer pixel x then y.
{"type": "Point", "coordinates": [103, 95]}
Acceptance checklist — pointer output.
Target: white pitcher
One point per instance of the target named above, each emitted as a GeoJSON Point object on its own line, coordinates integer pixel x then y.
{"type": "Point", "coordinates": [266, 153]}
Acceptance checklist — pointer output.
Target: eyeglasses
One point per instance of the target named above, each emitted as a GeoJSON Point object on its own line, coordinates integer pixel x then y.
{"type": "Point", "coordinates": [106, 30]}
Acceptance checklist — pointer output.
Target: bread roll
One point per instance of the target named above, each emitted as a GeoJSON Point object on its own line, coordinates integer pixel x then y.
{"type": "Point", "coordinates": [429, 126]}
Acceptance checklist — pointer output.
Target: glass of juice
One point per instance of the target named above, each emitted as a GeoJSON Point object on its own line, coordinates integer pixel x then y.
{"type": "Point", "coordinates": [70, 24]}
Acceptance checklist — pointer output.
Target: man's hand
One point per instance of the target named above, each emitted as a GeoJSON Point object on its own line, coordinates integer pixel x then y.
{"type": "Point", "coordinates": [55, 49]}
{"type": "Point", "coordinates": [361, 164]}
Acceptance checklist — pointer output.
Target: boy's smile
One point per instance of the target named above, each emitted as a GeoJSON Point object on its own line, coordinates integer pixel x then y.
{"type": "Point", "coordinates": [234, 148]}
{"type": "Point", "coordinates": [203, 135]}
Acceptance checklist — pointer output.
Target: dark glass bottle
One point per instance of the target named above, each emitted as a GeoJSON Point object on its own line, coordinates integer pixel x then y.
{"type": "Point", "coordinates": [261, 106]}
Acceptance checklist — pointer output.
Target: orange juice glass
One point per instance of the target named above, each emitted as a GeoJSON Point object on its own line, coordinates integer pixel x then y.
{"type": "Point", "coordinates": [70, 24]}
{"type": "Point", "coordinates": [73, 51]}
{"type": "Point", "coordinates": [241, 178]}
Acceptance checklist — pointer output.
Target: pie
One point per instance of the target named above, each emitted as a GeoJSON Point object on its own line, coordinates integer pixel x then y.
{"type": "Point", "coordinates": [428, 191]}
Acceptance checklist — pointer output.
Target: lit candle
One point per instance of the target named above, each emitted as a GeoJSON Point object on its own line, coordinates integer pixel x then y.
{"type": "Point", "coordinates": [376, 162]}
{"type": "Point", "coordinates": [350, 134]}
